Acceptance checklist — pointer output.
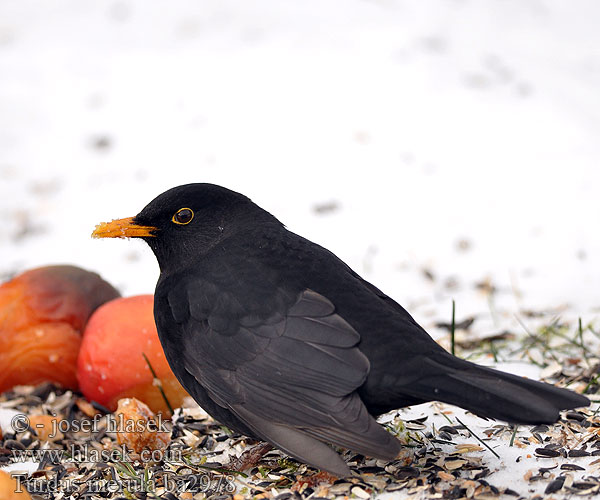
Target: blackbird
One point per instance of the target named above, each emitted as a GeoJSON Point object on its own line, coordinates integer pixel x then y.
{"type": "Point", "coordinates": [280, 340]}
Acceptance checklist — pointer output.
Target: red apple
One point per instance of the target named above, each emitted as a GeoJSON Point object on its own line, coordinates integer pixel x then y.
{"type": "Point", "coordinates": [111, 362]}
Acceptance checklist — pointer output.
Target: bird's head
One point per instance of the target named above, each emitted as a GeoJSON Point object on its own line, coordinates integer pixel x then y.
{"type": "Point", "coordinates": [186, 221]}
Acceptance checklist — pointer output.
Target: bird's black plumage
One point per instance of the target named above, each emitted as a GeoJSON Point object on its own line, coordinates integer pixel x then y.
{"type": "Point", "coordinates": [277, 338]}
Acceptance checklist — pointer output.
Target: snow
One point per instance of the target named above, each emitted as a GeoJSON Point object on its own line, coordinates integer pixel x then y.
{"type": "Point", "coordinates": [513, 462]}
{"type": "Point", "coordinates": [19, 468]}
{"type": "Point", "coordinates": [6, 419]}
{"type": "Point", "coordinates": [427, 126]}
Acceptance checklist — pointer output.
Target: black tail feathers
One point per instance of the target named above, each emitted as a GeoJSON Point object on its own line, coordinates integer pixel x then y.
{"type": "Point", "coordinates": [492, 393]}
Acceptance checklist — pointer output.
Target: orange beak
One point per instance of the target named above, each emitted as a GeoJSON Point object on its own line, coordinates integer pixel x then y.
{"type": "Point", "coordinates": [123, 228]}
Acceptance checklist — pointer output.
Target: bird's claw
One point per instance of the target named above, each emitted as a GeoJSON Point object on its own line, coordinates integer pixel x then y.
{"type": "Point", "coordinates": [250, 458]}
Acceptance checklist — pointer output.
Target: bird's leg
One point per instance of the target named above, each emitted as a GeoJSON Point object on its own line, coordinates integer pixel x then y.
{"type": "Point", "coordinates": [250, 458]}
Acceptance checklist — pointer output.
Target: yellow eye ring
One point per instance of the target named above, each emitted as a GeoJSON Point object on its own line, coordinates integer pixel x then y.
{"type": "Point", "coordinates": [183, 216]}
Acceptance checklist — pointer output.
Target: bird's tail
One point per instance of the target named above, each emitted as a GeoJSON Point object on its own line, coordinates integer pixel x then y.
{"type": "Point", "coordinates": [491, 393]}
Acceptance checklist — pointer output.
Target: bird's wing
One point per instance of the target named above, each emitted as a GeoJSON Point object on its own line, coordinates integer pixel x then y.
{"type": "Point", "coordinates": [291, 376]}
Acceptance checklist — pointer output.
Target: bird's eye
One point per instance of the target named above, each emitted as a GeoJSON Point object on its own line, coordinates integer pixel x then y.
{"type": "Point", "coordinates": [183, 216]}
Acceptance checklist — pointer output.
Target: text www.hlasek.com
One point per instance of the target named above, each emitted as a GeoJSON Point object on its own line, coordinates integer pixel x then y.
{"type": "Point", "coordinates": [86, 454]}
{"type": "Point", "coordinates": [169, 481]}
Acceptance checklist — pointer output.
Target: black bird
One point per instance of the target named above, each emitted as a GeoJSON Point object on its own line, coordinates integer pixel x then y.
{"type": "Point", "coordinates": [277, 338]}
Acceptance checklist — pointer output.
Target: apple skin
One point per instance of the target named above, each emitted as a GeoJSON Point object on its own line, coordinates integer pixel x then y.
{"type": "Point", "coordinates": [10, 489]}
{"type": "Point", "coordinates": [111, 365]}
{"type": "Point", "coordinates": [135, 431]}
{"type": "Point", "coordinates": [43, 312]}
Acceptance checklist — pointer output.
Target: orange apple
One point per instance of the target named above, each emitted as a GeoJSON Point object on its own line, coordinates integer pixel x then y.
{"type": "Point", "coordinates": [111, 362]}
{"type": "Point", "coordinates": [11, 489]}
{"type": "Point", "coordinates": [42, 313]}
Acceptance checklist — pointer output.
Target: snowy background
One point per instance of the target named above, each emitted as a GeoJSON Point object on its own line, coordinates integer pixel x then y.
{"type": "Point", "coordinates": [443, 149]}
{"type": "Point", "coordinates": [432, 145]}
